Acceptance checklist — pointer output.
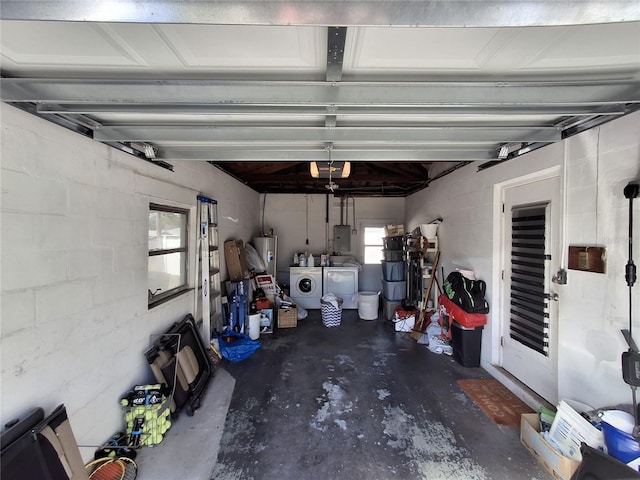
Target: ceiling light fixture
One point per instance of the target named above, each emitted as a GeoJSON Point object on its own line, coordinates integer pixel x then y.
{"type": "Point", "coordinates": [335, 169]}
{"type": "Point", "coordinates": [330, 169]}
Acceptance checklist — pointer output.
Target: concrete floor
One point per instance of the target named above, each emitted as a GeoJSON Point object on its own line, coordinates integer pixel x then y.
{"type": "Point", "coordinates": [190, 447]}
{"type": "Point", "coordinates": [358, 401]}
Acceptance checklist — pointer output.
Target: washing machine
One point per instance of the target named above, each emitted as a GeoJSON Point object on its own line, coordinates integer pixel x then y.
{"type": "Point", "coordinates": [306, 286]}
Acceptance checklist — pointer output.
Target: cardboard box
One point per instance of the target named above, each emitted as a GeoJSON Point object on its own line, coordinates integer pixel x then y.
{"type": "Point", "coordinates": [236, 260]}
{"type": "Point", "coordinates": [267, 283]}
{"type": "Point", "coordinates": [559, 466]}
{"type": "Point", "coordinates": [287, 318]}
{"type": "Point", "coordinates": [394, 230]}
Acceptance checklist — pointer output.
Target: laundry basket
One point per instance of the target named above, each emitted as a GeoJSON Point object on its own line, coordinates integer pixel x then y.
{"type": "Point", "coordinates": [331, 316]}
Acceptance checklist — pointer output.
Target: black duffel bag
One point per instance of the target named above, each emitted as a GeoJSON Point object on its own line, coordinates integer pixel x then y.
{"type": "Point", "coordinates": [468, 294]}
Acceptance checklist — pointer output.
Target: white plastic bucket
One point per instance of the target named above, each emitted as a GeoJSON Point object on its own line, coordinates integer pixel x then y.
{"type": "Point", "coordinates": [254, 326]}
{"type": "Point", "coordinates": [368, 305]}
{"type": "Point", "coordinates": [429, 230]}
{"type": "Point", "coordinates": [569, 429]}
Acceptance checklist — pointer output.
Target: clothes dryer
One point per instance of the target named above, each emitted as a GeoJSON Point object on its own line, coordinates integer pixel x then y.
{"type": "Point", "coordinates": [306, 286]}
{"type": "Point", "coordinates": [343, 282]}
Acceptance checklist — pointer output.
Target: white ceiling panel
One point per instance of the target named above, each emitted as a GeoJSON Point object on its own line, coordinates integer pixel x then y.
{"type": "Point", "coordinates": [383, 50]}
{"type": "Point", "coordinates": [31, 46]}
{"type": "Point", "coordinates": [177, 49]}
{"type": "Point", "coordinates": [564, 51]}
{"type": "Point", "coordinates": [585, 48]}
{"type": "Point", "coordinates": [509, 52]}
{"type": "Point", "coordinates": [161, 50]}
{"type": "Point", "coordinates": [247, 48]}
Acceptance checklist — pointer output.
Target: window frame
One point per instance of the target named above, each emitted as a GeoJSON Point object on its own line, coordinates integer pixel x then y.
{"type": "Point", "coordinates": [161, 297]}
{"type": "Point", "coordinates": [364, 226]}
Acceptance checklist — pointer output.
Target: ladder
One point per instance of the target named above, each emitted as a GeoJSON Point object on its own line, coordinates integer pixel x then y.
{"type": "Point", "coordinates": [207, 272]}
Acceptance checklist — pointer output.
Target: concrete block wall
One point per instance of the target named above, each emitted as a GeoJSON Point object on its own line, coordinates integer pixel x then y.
{"type": "Point", "coordinates": [74, 229]}
{"type": "Point", "coordinates": [593, 307]}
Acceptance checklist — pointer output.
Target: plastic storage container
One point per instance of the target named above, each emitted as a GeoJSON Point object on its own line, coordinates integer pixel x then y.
{"type": "Point", "coordinates": [392, 255]}
{"type": "Point", "coordinates": [467, 344]}
{"type": "Point", "coordinates": [620, 445]}
{"type": "Point", "coordinates": [569, 429]}
{"type": "Point", "coordinates": [389, 307]}
{"type": "Point", "coordinates": [393, 271]}
{"type": "Point", "coordinates": [394, 290]}
{"type": "Point", "coordinates": [393, 243]}
{"type": "Point", "coordinates": [598, 465]}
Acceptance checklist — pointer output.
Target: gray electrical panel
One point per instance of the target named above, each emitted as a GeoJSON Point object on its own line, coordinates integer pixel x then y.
{"type": "Point", "coordinates": [342, 238]}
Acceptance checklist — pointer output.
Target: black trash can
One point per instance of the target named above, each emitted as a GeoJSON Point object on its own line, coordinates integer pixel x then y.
{"type": "Point", "coordinates": [466, 343]}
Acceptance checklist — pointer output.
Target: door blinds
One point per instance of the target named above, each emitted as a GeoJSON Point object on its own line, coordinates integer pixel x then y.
{"type": "Point", "coordinates": [529, 317]}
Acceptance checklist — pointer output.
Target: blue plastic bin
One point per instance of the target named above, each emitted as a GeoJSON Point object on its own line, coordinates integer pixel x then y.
{"type": "Point", "coordinates": [619, 444]}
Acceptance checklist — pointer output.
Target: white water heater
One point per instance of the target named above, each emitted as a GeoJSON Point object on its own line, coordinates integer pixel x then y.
{"type": "Point", "coordinates": [267, 248]}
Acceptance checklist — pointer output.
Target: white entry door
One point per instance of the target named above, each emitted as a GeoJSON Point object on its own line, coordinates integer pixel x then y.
{"type": "Point", "coordinates": [531, 228]}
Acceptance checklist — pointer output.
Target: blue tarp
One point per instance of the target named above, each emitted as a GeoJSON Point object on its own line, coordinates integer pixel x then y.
{"type": "Point", "coordinates": [239, 349]}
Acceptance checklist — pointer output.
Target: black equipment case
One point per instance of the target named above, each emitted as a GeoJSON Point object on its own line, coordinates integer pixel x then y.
{"type": "Point", "coordinates": [39, 448]}
{"type": "Point", "coordinates": [180, 360]}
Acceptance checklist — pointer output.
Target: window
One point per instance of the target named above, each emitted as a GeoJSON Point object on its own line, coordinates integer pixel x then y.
{"type": "Point", "coordinates": [373, 244]}
{"type": "Point", "coordinates": [168, 240]}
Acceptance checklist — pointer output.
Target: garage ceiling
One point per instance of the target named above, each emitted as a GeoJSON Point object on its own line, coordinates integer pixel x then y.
{"type": "Point", "coordinates": [406, 91]}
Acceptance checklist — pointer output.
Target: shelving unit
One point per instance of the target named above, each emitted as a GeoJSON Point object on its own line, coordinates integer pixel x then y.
{"type": "Point", "coordinates": [429, 266]}
{"type": "Point", "coordinates": [208, 301]}
{"type": "Point", "coordinates": [422, 258]}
